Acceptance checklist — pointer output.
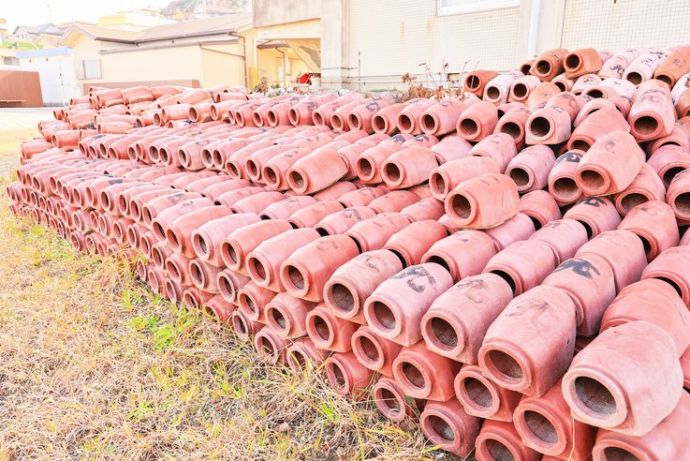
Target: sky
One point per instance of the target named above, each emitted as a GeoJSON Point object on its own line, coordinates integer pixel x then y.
{"type": "Point", "coordinates": [34, 12]}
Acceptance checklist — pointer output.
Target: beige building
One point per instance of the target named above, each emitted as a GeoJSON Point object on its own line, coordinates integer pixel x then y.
{"type": "Point", "coordinates": [371, 44]}
{"type": "Point", "coordinates": [284, 42]}
{"type": "Point", "coordinates": [203, 52]}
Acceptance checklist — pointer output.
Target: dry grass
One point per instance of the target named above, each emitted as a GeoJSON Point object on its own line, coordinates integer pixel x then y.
{"type": "Point", "coordinates": [94, 366]}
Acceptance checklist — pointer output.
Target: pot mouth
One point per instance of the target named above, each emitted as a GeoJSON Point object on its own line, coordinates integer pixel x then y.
{"type": "Point", "coordinates": [522, 177]}
{"type": "Point", "coordinates": [541, 429]}
{"type": "Point", "coordinates": [293, 116]}
{"type": "Point", "coordinates": [190, 299]}
{"type": "Point", "coordinates": [477, 393]}
{"type": "Point", "coordinates": [461, 207]}
{"type": "Point", "coordinates": [413, 376]}
{"type": "Point", "coordinates": [368, 350]}
{"type": "Point", "coordinates": [298, 181]}
{"type": "Point", "coordinates": [196, 273]}
{"type": "Point", "coordinates": [565, 188]}
{"type": "Point", "coordinates": [382, 317]}
{"type": "Point", "coordinates": [258, 270]}
{"type": "Point", "coordinates": [342, 298]}
{"type": "Point", "coordinates": [519, 91]}
{"type": "Point", "coordinates": [513, 129]}
{"type": "Point", "coordinates": [393, 173]}
{"type": "Point", "coordinates": [389, 401]}
{"type": "Point", "coordinates": [320, 329]}
{"type": "Point", "coordinates": [468, 127]}
{"type": "Point", "coordinates": [595, 399]}
{"type": "Point", "coordinates": [294, 278]}
{"type": "Point", "coordinates": [507, 368]}
{"type": "Point", "coordinates": [592, 180]}
{"type": "Point", "coordinates": [541, 127]}
{"type": "Point", "coordinates": [492, 93]}
{"type": "Point", "coordinates": [438, 428]}
{"type": "Point", "coordinates": [438, 185]}
{"type": "Point", "coordinates": [430, 123]}
{"type": "Point", "coordinates": [240, 325]}
{"type": "Point", "coordinates": [278, 320]}
{"type": "Point", "coordinates": [405, 123]}
{"type": "Point", "coordinates": [265, 345]}
{"type": "Point", "coordinates": [172, 292]}
{"type": "Point", "coordinates": [379, 124]}
{"type": "Point", "coordinates": [572, 62]}
{"type": "Point", "coordinates": [646, 125]}
{"type": "Point", "coordinates": [542, 67]}
{"type": "Point", "coordinates": [297, 358]}
{"type": "Point", "coordinates": [441, 333]}
{"type": "Point", "coordinates": [201, 246]}
{"type": "Point", "coordinates": [366, 169]}
{"type": "Point", "coordinates": [337, 376]}
{"type": "Point", "coordinates": [473, 82]}
{"type": "Point", "coordinates": [496, 447]}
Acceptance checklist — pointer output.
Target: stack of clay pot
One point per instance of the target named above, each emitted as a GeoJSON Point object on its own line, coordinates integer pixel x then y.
{"type": "Point", "coordinates": [507, 268]}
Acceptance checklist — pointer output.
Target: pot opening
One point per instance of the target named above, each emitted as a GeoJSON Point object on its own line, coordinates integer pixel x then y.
{"type": "Point", "coordinates": [341, 297]}
{"type": "Point", "coordinates": [505, 365]}
{"type": "Point", "coordinates": [440, 427]}
{"type": "Point", "coordinates": [540, 427]}
{"type": "Point", "coordinates": [646, 125]}
{"type": "Point", "coordinates": [477, 392]}
{"type": "Point", "coordinates": [595, 396]}
{"type": "Point", "coordinates": [443, 333]}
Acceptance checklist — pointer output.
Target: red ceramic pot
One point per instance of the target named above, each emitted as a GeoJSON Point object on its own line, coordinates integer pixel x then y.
{"type": "Point", "coordinates": [424, 375]}
{"type": "Point", "coordinates": [482, 397]}
{"type": "Point", "coordinates": [264, 261]}
{"type": "Point", "coordinates": [483, 202]}
{"type": "Point", "coordinates": [305, 272]}
{"type": "Point", "coordinates": [531, 343]}
{"type": "Point", "coordinates": [499, 440]}
{"type": "Point", "coordinates": [607, 379]}
{"type": "Point", "coordinates": [353, 282]}
{"type": "Point", "coordinates": [447, 426]}
{"type": "Point", "coordinates": [395, 309]}
{"type": "Point", "coordinates": [463, 253]}
{"type": "Point", "coordinates": [454, 326]}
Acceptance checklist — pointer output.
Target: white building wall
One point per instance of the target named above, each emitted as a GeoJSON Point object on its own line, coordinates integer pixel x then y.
{"type": "Point", "coordinates": [391, 38]}
{"type": "Point", "coordinates": [626, 23]}
{"type": "Point", "coordinates": [58, 80]}
{"type": "Point", "coordinates": [371, 44]}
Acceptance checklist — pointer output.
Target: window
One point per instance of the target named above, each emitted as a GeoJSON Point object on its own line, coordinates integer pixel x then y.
{"type": "Point", "coordinates": [473, 6]}
{"type": "Point", "coordinates": [89, 69]}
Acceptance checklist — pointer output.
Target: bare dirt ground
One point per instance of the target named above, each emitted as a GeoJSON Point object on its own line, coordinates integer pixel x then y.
{"type": "Point", "coordinates": [94, 366]}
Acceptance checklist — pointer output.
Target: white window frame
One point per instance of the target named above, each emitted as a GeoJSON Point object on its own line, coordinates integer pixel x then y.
{"type": "Point", "coordinates": [485, 5]}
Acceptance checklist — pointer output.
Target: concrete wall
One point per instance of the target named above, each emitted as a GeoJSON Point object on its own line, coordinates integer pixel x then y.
{"type": "Point", "coordinates": [180, 63]}
{"type": "Point", "coordinates": [212, 65]}
{"type": "Point", "coordinates": [271, 12]}
{"type": "Point", "coordinates": [410, 32]}
{"type": "Point", "coordinates": [626, 23]}
{"type": "Point", "coordinates": [371, 44]}
{"type": "Point", "coordinates": [222, 65]}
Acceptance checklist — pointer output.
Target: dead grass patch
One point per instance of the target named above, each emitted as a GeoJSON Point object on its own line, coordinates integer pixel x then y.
{"type": "Point", "coordinates": [95, 366]}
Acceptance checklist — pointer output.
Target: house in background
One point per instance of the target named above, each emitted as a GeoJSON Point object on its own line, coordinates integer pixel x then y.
{"type": "Point", "coordinates": [284, 42]}
{"type": "Point", "coordinates": [205, 52]}
{"type": "Point", "coordinates": [44, 35]}
{"type": "Point", "coordinates": [134, 20]}
{"type": "Point", "coordinates": [3, 30]}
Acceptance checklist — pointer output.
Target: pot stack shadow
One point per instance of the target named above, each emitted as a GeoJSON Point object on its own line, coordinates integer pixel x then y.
{"type": "Point", "coordinates": [508, 267]}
